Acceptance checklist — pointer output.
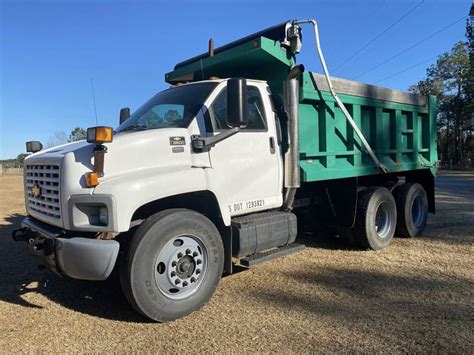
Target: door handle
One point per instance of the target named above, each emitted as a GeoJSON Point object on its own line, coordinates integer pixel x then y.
{"type": "Point", "coordinates": [272, 145]}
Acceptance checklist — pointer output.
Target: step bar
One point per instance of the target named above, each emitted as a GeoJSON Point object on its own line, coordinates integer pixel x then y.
{"type": "Point", "coordinates": [271, 254]}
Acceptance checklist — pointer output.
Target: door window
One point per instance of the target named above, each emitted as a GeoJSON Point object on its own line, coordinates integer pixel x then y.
{"type": "Point", "coordinates": [255, 111]}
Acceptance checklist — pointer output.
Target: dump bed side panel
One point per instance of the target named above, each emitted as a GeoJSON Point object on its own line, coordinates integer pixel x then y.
{"type": "Point", "coordinates": [400, 128]}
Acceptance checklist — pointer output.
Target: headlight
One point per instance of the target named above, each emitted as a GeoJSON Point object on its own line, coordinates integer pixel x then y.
{"type": "Point", "coordinates": [85, 214]}
{"type": "Point", "coordinates": [103, 216]}
{"type": "Point", "coordinates": [92, 213]}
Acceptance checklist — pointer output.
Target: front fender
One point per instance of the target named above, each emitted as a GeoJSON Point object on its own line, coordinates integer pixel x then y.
{"type": "Point", "coordinates": [138, 188]}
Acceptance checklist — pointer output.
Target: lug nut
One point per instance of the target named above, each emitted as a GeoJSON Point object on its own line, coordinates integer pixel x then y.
{"type": "Point", "coordinates": [198, 271]}
{"type": "Point", "coordinates": [195, 254]}
{"type": "Point", "coordinates": [177, 282]}
{"type": "Point", "coordinates": [199, 261]}
{"type": "Point", "coordinates": [180, 255]}
{"type": "Point", "coordinates": [185, 284]}
{"type": "Point", "coordinates": [188, 251]}
{"type": "Point", "coordinates": [173, 264]}
{"type": "Point", "coordinates": [173, 274]}
{"type": "Point", "coordinates": [193, 279]}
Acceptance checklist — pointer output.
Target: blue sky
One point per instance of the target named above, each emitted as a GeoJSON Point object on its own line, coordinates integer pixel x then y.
{"type": "Point", "coordinates": [50, 50]}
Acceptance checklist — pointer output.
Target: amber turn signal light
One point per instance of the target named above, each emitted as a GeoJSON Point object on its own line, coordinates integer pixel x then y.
{"type": "Point", "coordinates": [99, 135]}
{"type": "Point", "coordinates": [92, 179]}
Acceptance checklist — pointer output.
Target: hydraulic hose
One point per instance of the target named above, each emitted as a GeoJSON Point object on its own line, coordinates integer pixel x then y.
{"type": "Point", "coordinates": [349, 118]}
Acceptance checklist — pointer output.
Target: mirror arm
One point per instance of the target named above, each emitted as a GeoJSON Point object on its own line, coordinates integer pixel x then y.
{"type": "Point", "coordinates": [202, 144]}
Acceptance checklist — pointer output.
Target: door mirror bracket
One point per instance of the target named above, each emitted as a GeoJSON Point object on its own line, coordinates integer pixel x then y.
{"type": "Point", "coordinates": [202, 144]}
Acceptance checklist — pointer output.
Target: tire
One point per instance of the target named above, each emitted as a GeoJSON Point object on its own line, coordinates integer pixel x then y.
{"type": "Point", "coordinates": [376, 218]}
{"type": "Point", "coordinates": [173, 264]}
{"type": "Point", "coordinates": [412, 209]}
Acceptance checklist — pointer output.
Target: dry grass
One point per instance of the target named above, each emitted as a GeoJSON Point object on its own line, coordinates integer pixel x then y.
{"type": "Point", "coordinates": [416, 296]}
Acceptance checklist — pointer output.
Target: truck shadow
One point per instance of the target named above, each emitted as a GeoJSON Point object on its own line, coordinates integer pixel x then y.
{"type": "Point", "coordinates": [21, 277]}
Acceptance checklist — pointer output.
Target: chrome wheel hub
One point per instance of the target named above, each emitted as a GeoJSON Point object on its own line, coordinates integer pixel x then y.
{"type": "Point", "coordinates": [181, 266]}
{"type": "Point", "coordinates": [383, 220]}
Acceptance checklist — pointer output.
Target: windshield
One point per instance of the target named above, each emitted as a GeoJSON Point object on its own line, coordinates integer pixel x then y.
{"type": "Point", "coordinates": [172, 108]}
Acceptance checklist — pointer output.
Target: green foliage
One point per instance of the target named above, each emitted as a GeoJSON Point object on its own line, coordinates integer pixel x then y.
{"type": "Point", "coordinates": [451, 79]}
{"type": "Point", "coordinates": [10, 163]}
{"type": "Point", "coordinates": [21, 158]}
{"type": "Point", "coordinates": [172, 115]}
{"type": "Point", "coordinates": [77, 134]}
{"type": "Point", "coordinates": [470, 76]}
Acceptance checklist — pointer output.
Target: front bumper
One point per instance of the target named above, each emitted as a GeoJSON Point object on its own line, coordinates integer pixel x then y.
{"type": "Point", "coordinates": [76, 257]}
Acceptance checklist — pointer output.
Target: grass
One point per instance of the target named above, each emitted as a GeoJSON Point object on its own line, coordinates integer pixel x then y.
{"type": "Point", "coordinates": [415, 296]}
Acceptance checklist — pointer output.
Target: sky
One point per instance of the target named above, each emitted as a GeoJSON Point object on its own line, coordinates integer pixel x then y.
{"type": "Point", "coordinates": [50, 50]}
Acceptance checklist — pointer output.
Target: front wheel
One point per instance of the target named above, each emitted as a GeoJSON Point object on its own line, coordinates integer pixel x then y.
{"type": "Point", "coordinates": [173, 265]}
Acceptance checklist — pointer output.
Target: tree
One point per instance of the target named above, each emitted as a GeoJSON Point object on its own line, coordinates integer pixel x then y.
{"type": "Point", "coordinates": [21, 158]}
{"type": "Point", "coordinates": [469, 85]}
{"type": "Point", "coordinates": [450, 79]}
{"type": "Point", "coordinates": [58, 138]}
{"type": "Point", "coordinates": [172, 115]}
{"type": "Point", "coordinates": [77, 134]}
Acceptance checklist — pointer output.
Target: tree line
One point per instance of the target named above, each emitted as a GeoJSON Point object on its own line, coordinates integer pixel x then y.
{"type": "Point", "coordinates": [56, 139]}
{"type": "Point", "coordinates": [451, 79]}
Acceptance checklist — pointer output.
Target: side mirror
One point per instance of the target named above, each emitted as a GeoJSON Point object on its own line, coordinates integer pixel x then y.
{"type": "Point", "coordinates": [237, 102]}
{"type": "Point", "coordinates": [33, 146]}
{"type": "Point", "coordinates": [124, 114]}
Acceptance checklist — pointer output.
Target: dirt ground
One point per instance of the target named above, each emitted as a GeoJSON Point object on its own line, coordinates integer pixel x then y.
{"type": "Point", "coordinates": [415, 296]}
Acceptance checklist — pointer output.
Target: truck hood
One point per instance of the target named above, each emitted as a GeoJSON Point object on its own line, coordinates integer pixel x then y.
{"type": "Point", "coordinates": [130, 156]}
{"type": "Point", "coordinates": [135, 150]}
{"type": "Point", "coordinates": [128, 152]}
{"type": "Point", "coordinates": [138, 150]}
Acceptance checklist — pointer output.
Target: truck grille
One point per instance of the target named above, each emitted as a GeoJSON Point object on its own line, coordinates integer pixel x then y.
{"type": "Point", "coordinates": [42, 186]}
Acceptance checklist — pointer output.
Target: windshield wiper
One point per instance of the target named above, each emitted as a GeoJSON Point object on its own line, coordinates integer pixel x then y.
{"type": "Point", "coordinates": [135, 127]}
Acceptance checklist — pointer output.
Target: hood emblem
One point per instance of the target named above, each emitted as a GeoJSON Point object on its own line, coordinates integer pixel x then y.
{"type": "Point", "coordinates": [177, 141]}
{"type": "Point", "coordinates": [36, 191]}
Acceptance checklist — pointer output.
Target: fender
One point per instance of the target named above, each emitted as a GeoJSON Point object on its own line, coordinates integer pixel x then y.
{"type": "Point", "coordinates": [138, 188]}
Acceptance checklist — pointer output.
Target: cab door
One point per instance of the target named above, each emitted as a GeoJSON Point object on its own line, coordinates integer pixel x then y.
{"type": "Point", "coordinates": [246, 168]}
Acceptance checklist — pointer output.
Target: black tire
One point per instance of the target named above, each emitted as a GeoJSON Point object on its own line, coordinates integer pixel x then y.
{"type": "Point", "coordinates": [142, 274]}
{"type": "Point", "coordinates": [376, 218]}
{"type": "Point", "coordinates": [412, 209]}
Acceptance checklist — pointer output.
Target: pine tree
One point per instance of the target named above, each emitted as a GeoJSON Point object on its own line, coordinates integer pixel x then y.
{"type": "Point", "coordinates": [451, 79]}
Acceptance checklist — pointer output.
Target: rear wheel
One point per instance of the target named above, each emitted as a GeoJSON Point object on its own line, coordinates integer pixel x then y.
{"type": "Point", "coordinates": [412, 208]}
{"type": "Point", "coordinates": [173, 265]}
{"type": "Point", "coordinates": [376, 218]}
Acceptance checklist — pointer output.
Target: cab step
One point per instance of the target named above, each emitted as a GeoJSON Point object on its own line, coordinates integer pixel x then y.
{"type": "Point", "coordinates": [261, 257]}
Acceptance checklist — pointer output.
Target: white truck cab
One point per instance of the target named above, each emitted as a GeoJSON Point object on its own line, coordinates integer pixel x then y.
{"type": "Point", "coordinates": [149, 160]}
{"type": "Point", "coordinates": [151, 165]}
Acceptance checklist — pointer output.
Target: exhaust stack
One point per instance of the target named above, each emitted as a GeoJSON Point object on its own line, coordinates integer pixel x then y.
{"type": "Point", "coordinates": [292, 156]}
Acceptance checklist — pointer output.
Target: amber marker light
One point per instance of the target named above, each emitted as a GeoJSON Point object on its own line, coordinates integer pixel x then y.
{"type": "Point", "coordinates": [99, 135]}
{"type": "Point", "coordinates": [92, 180]}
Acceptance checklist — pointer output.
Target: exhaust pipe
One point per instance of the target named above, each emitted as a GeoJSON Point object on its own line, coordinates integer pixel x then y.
{"type": "Point", "coordinates": [292, 156]}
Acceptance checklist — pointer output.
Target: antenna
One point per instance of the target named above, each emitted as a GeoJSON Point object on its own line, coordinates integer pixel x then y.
{"type": "Point", "coordinates": [93, 99]}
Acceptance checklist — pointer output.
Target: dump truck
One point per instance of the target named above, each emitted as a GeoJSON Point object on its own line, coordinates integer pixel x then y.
{"type": "Point", "coordinates": [222, 169]}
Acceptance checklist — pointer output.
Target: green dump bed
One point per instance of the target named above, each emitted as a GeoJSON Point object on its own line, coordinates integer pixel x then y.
{"type": "Point", "coordinates": [400, 127]}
